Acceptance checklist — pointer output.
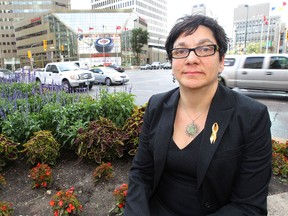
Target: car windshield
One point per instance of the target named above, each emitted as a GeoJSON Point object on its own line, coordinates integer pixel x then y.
{"type": "Point", "coordinates": [109, 70]}
{"type": "Point", "coordinates": [68, 67]}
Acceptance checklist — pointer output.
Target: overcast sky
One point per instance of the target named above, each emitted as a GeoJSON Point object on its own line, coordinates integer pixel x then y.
{"type": "Point", "coordinates": [221, 9]}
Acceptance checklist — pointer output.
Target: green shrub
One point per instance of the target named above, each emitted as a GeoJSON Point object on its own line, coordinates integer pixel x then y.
{"type": "Point", "coordinates": [117, 106]}
{"type": "Point", "coordinates": [42, 148]}
{"type": "Point", "coordinates": [18, 90]}
{"type": "Point", "coordinates": [8, 150]}
{"type": "Point", "coordinates": [20, 126]}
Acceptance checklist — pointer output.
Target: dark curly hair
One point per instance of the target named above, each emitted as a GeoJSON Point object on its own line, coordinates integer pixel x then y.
{"type": "Point", "coordinates": [189, 24]}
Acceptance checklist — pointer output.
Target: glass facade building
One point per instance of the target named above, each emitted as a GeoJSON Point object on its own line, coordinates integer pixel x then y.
{"type": "Point", "coordinates": [97, 37]}
{"type": "Point", "coordinates": [13, 11]}
{"type": "Point", "coordinates": [154, 12]}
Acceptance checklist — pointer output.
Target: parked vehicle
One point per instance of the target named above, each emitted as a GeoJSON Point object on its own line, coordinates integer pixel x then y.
{"type": "Point", "coordinates": [155, 65]}
{"type": "Point", "coordinates": [145, 67]}
{"type": "Point", "coordinates": [7, 75]}
{"type": "Point", "coordinates": [109, 76]}
{"type": "Point", "coordinates": [167, 65]}
{"type": "Point", "coordinates": [66, 74]}
{"type": "Point", "coordinates": [24, 70]}
{"type": "Point", "coordinates": [257, 71]}
{"type": "Point", "coordinates": [117, 67]}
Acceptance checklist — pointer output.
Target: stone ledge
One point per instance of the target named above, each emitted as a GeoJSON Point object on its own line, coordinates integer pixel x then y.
{"type": "Point", "coordinates": [278, 204]}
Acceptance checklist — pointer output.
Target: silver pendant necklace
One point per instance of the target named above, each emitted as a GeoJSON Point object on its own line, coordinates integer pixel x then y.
{"type": "Point", "coordinates": [192, 129]}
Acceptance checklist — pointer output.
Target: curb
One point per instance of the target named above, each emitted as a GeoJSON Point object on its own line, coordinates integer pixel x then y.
{"type": "Point", "coordinates": [277, 204]}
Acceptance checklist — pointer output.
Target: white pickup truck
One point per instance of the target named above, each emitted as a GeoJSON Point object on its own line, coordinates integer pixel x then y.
{"type": "Point", "coordinates": [256, 71]}
{"type": "Point", "coordinates": [65, 74]}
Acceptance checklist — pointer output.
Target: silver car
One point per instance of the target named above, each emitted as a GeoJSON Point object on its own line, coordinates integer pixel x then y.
{"type": "Point", "coordinates": [109, 76]}
{"type": "Point", "coordinates": [7, 75]}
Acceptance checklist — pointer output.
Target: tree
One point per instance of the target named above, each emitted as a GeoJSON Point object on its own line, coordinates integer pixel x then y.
{"type": "Point", "coordinates": [138, 39]}
{"type": "Point", "coordinates": [253, 48]}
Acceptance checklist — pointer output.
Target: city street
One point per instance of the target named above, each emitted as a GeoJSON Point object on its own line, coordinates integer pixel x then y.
{"type": "Point", "coordinates": [144, 83]}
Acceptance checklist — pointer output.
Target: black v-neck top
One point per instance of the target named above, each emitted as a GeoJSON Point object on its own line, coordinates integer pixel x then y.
{"type": "Point", "coordinates": [177, 191]}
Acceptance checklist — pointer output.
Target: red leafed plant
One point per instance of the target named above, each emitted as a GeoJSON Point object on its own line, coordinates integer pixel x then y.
{"type": "Point", "coordinates": [104, 170]}
{"type": "Point", "coordinates": [280, 159]}
{"type": "Point", "coordinates": [41, 175]}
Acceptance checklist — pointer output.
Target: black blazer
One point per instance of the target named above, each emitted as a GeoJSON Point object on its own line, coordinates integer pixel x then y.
{"type": "Point", "coordinates": [232, 174]}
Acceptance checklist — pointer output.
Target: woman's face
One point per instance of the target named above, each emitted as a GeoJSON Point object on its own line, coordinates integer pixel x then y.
{"type": "Point", "coordinates": [193, 71]}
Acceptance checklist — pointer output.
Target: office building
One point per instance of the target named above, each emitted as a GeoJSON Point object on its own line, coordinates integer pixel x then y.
{"type": "Point", "coordinates": [256, 24]}
{"type": "Point", "coordinates": [154, 12]}
{"type": "Point", "coordinates": [11, 12]}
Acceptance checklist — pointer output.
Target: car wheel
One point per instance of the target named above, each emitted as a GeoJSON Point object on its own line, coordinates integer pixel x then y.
{"type": "Point", "coordinates": [108, 81]}
{"type": "Point", "coordinates": [66, 86]}
{"type": "Point", "coordinates": [38, 82]}
{"type": "Point", "coordinates": [90, 87]}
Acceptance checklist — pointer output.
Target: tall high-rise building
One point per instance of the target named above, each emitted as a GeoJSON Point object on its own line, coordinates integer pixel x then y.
{"type": "Point", "coordinates": [154, 12]}
{"type": "Point", "coordinates": [11, 12]}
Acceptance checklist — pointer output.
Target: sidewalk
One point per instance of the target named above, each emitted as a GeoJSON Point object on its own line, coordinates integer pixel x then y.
{"type": "Point", "coordinates": [278, 204]}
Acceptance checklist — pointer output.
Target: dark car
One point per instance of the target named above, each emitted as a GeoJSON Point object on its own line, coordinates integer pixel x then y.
{"type": "Point", "coordinates": [117, 67]}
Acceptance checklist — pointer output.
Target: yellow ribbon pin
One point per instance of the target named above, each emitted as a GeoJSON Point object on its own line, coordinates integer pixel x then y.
{"type": "Point", "coordinates": [213, 136]}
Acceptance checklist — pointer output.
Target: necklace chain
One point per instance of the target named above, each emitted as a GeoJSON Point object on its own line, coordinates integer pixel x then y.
{"type": "Point", "coordinates": [192, 129]}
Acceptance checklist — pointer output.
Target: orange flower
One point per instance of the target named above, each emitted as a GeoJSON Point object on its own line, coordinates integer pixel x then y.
{"type": "Point", "coordinates": [120, 205]}
{"type": "Point", "coordinates": [70, 208]}
{"type": "Point", "coordinates": [4, 208]}
{"type": "Point", "coordinates": [60, 203]}
{"type": "Point", "coordinates": [56, 213]}
{"type": "Point", "coordinates": [125, 193]}
{"type": "Point", "coordinates": [52, 203]}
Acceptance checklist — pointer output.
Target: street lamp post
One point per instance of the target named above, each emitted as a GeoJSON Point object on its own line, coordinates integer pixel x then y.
{"type": "Point", "coordinates": [158, 48]}
{"type": "Point", "coordinates": [245, 38]}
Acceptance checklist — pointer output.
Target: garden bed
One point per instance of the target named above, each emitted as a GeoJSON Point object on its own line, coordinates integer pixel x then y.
{"type": "Point", "coordinates": [96, 199]}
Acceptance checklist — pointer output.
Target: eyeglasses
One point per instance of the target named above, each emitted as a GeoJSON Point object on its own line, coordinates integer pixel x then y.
{"type": "Point", "coordinates": [200, 51]}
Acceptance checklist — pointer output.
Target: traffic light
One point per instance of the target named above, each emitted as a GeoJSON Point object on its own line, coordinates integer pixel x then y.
{"type": "Point", "coordinates": [29, 54]}
{"type": "Point", "coordinates": [44, 45]}
{"type": "Point", "coordinates": [62, 47]}
{"type": "Point", "coordinates": [286, 35]}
